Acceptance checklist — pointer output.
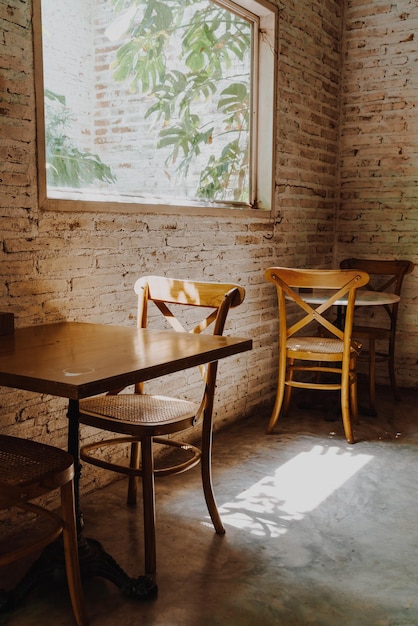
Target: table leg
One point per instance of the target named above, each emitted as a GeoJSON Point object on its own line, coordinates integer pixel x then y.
{"type": "Point", "coordinates": [94, 560]}
{"type": "Point", "coordinates": [149, 505]}
{"type": "Point", "coordinates": [73, 446]}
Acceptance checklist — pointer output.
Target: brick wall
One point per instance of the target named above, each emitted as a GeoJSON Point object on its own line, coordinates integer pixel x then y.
{"type": "Point", "coordinates": [83, 266]}
{"type": "Point", "coordinates": [378, 212]}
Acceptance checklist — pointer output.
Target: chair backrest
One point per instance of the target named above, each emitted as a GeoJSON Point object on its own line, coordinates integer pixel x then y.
{"type": "Point", "coordinates": [384, 275]}
{"type": "Point", "coordinates": [30, 469]}
{"type": "Point", "coordinates": [167, 293]}
{"type": "Point", "coordinates": [219, 297]}
{"type": "Point", "coordinates": [340, 284]}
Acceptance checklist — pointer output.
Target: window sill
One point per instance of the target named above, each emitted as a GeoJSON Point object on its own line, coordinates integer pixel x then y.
{"type": "Point", "coordinates": [77, 206]}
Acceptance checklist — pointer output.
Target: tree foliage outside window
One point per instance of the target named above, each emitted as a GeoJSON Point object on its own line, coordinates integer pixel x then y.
{"type": "Point", "coordinates": [155, 103]}
{"type": "Point", "coordinates": [182, 54]}
{"type": "Point", "coordinates": [66, 164]}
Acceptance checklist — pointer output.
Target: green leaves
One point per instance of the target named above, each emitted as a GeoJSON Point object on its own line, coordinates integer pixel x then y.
{"type": "Point", "coordinates": [214, 179]}
{"type": "Point", "coordinates": [193, 59]}
{"type": "Point", "coordinates": [143, 65]}
{"type": "Point", "coordinates": [198, 43]}
{"type": "Point", "coordinates": [141, 59]}
{"type": "Point", "coordinates": [186, 139]}
{"type": "Point", "coordinates": [66, 165]}
{"type": "Point", "coordinates": [234, 104]}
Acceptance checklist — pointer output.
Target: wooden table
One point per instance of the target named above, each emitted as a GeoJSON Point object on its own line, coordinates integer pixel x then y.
{"type": "Point", "coordinates": [76, 360]}
{"type": "Point", "coordinates": [363, 297]}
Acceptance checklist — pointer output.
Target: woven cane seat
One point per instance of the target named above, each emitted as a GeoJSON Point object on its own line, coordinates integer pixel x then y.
{"type": "Point", "coordinates": [316, 344]}
{"type": "Point", "coordinates": [320, 345]}
{"type": "Point", "coordinates": [29, 469]}
{"type": "Point", "coordinates": [24, 463]}
{"type": "Point", "coordinates": [140, 409]}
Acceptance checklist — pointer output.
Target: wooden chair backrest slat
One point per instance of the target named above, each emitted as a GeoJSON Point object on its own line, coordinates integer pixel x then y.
{"type": "Point", "coordinates": [384, 275]}
{"type": "Point", "coordinates": [167, 293]}
{"type": "Point", "coordinates": [219, 297]}
{"type": "Point", "coordinates": [392, 272]}
{"type": "Point", "coordinates": [340, 283]}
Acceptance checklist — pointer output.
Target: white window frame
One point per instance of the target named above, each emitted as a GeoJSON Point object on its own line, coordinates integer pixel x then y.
{"type": "Point", "coordinates": [263, 125]}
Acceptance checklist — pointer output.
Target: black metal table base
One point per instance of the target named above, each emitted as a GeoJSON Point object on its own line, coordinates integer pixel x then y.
{"type": "Point", "coordinates": [94, 562]}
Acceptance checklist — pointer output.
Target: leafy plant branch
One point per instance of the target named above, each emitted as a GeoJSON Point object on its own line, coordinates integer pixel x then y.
{"type": "Point", "coordinates": [66, 164]}
{"type": "Point", "coordinates": [207, 42]}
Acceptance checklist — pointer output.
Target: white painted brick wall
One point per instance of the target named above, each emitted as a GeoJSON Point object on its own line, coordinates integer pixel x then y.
{"type": "Point", "coordinates": [378, 214]}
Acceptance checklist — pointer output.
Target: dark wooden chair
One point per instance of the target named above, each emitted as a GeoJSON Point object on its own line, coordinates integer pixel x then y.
{"type": "Point", "coordinates": [302, 349]}
{"type": "Point", "coordinates": [28, 470]}
{"type": "Point", "coordinates": [144, 420]}
{"type": "Point", "coordinates": [385, 275]}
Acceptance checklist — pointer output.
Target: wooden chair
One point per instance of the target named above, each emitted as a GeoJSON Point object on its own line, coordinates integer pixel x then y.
{"type": "Point", "coordinates": [303, 350]}
{"type": "Point", "coordinates": [145, 419]}
{"type": "Point", "coordinates": [384, 276]}
{"type": "Point", "coordinates": [29, 469]}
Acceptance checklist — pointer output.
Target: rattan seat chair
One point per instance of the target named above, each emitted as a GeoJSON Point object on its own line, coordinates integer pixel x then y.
{"type": "Point", "coordinates": [28, 470]}
{"type": "Point", "coordinates": [385, 275]}
{"type": "Point", "coordinates": [302, 349]}
{"type": "Point", "coordinates": [144, 420]}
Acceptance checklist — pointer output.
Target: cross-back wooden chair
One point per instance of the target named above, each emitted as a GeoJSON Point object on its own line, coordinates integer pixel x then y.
{"type": "Point", "coordinates": [145, 419]}
{"type": "Point", "coordinates": [387, 276]}
{"type": "Point", "coordinates": [303, 350]}
{"type": "Point", "coordinates": [28, 470]}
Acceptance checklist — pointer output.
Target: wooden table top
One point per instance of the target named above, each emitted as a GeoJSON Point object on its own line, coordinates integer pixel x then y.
{"type": "Point", "coordinates": [363, 297]}
{"type": "Point", "coordinates": [76, 360]}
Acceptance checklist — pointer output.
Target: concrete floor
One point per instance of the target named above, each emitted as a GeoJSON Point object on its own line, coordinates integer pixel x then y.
{"type": "Point", "coordinates": [317, 531]}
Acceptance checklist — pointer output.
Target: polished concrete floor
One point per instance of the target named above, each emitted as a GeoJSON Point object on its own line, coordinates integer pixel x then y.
{"type": "Point", "coordinates": [317, 531]}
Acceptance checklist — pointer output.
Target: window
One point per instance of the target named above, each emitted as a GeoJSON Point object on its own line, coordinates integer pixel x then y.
{"type": "Point", "coordinates": [148, 104]}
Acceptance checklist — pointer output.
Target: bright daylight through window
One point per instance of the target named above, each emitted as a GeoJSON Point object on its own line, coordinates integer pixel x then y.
{"type": "Point", "coordinates": [155, 102]}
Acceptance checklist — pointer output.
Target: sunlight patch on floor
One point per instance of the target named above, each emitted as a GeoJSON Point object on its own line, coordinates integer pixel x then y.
{"type": "Point", "coordinates": [295, 489]}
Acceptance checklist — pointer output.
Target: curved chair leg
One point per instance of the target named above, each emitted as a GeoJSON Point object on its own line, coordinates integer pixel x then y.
{"type": "Point", "coordinates": [288, 389]}
{"type": "Point", "coordinates": [206, 470]}
{"type": "Point", "coordinates": [148, 495]}
{"type": "Point", "coordinates": [279, 399]}
{"type": "Point", "coordinates": [286, 400]}
{"type": "Point", "coordinates": [354, 403]}
{"type": "Point", "coordinates": [276, 410]}
{"type": "Point", "coordinates": [71, 554]}
{"type": "Point", "coordinates": [345, 408]}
